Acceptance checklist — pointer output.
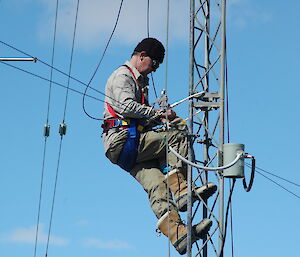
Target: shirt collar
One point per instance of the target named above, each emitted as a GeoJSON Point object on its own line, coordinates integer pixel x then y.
{"type": "Point", "coordinates": [136, 73]}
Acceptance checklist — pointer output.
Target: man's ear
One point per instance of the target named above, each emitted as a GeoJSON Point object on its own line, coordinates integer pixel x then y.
{"type": "Point", "coordinates": [143, 54]}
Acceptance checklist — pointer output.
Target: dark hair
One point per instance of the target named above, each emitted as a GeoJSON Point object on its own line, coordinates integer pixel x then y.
{"type": "Point", "coordinates": [152, 47]}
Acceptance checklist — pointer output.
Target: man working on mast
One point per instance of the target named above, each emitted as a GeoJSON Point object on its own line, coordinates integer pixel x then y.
{"type": "Point", "coordinates": [133, 140]}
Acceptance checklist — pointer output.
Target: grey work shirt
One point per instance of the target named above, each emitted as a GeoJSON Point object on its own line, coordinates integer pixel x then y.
{"type": "Point", "coordinates": [124, 96]}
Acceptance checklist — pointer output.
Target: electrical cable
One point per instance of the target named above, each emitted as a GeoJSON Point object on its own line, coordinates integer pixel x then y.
{"type": "Point", "coordinates": [59, 71]}
{"type": "Point", "coordinates": [167, 127]}
{"type": "Point", "coordinates": [51, 67]}
{"type": "Point", "coordinates": [50, 87]}
{"type": "Point", "coordinates": [101, 59]}
{"type": "Point", "coordinates": [40, 196]}
{"type": "Point", "coordinates": [153, 119]}
{"type": "Point", "coordinates": [231, 224]}
{"type": "Point", "coordinates": [226, 218]}
{"type": "Point", "coordinates": [228, 140]}
{"type": "Point", "coordinates": [71, 59]}
{"type": "Point", "coordinates": [62, 130]}
{"type": "Point", "coordinates": [272, 174]}
{"type": "Point", "coordinates": [47, 125]}
{"type": "Point", "coordinates": [276, 183]}
{"type": "Point", "coordinates": [53, 82]}
{"type": "Point", "coordinates": [148, 35]}
{"type": "Point", "coordinates": [239, 155]}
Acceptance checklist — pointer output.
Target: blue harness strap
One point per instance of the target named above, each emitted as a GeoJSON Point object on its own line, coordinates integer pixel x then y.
{"type": "Point", "coordinates": [129, 152]}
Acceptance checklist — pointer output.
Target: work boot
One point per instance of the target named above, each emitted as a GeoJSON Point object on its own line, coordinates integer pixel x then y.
{"type": "Point", "coordinates": [178, 231]}
{"type": "Point", "coordinates": [178, 186]}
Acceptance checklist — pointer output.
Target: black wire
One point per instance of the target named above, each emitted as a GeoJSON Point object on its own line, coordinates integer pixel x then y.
{"type": "Point", "coordinates": [52, 67]}
{"type": "Point", "coordinates": [61, 85]}
{"type": "Point", "coordinates": [276, 183]}
{"type": "Point", "coordinates": [147, 117]}
{"type": "Point", "coordinates": [52, 61]}
{"type": "Point", "coordinates": [47, 120]}
{"type": "Point", "coordinates": [71, 60]}
{"type": "Point", "coordinates": [226, 219]}
{"type": "Point", "coordinates": [279, 185]}
{"type": "Point", "coordinates": [291, 182]}
{"type": "Point", "coordinates": [148, 34]}
{"type": "Point", "coordinates": [40, 197]}
{"type": "Point", "coordinates": [148, 12]}
{"type": "Point", "coordinates": [54, 195]}
{"type": "Point", "coordinates": [65, 74]}
{"type": "Point", "coordinates": [231, 225]}
{"type": "Point", "coordinates": [50, 86]}
{"type": "Point", "coordinates": [228, 140]}
{"type": "Point", "coordinates": [101, 59]}
{"type": "Point", "coordinates": [53, 82]}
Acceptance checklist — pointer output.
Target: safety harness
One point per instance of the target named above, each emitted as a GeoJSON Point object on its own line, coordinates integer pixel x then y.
{"type": "Point", "coordinates": [128, 155]}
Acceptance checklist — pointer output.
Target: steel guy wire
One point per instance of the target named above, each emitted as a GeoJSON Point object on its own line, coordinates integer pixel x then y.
{"type": "Point", "coordinates": [101, 59]}
{"type": "Point", "coordinates": [47, 122]}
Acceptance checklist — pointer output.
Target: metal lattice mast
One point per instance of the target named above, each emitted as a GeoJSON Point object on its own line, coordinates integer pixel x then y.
{"type": "Point", "coordinates": [206, 117]}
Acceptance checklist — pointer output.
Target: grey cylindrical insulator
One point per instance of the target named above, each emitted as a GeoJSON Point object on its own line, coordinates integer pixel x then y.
{"type": "Point", "coordinates": [230, 152]}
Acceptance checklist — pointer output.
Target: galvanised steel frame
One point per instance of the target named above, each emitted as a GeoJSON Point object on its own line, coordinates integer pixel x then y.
{"type": "Point", "coordinates": [206, 118]}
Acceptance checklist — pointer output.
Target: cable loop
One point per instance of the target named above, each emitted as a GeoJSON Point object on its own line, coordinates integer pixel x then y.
{"type": "Point", "coordinates": [253, 164]}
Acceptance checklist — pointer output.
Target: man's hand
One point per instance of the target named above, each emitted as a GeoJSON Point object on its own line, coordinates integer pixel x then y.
{"type": "Point", "coordinates": [167, 115]}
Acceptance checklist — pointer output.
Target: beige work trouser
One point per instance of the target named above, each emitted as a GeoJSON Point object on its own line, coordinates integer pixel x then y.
{"type": "Point", "coordinates": [151, 155]}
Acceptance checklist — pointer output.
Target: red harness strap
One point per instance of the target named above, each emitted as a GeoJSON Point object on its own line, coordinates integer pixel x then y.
{"type": "Point", "coordinates": [111, 110]}
{"type": "Point", "coordinates": [140, 88]}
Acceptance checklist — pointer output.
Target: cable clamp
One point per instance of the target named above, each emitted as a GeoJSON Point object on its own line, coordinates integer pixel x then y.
{"type": "Point", "coordinates": [46, 130]}
{"type": "Point", "coordinates": [62, 129]}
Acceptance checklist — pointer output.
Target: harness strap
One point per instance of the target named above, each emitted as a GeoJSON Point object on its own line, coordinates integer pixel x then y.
{"type": "Point", "coordinates": [111, 110]}
{"type": "Point", "coordinates": [136, 81]}
{"type": "Point", "coordinates": [108, 106]}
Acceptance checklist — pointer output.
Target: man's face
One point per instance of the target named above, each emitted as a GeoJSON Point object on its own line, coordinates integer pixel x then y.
{"type": "Point", "coordinates": [147, 65]}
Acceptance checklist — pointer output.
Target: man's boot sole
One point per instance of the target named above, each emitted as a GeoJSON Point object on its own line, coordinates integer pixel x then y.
{"type": "Point", "coordinates": [199, 231]}
{"type": "Point", "coordinates": [204, 192]}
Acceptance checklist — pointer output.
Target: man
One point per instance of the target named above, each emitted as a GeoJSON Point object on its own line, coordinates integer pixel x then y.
{"type": "Point", "coordinates": [133, 140]}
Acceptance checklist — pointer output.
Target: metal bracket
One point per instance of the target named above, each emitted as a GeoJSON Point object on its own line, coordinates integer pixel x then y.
{"type": "Point", "coordinates": [209, 101]}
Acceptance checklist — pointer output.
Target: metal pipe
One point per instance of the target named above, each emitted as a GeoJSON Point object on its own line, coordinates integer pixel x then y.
{"type": "Point", "coordinates": [9, 59]}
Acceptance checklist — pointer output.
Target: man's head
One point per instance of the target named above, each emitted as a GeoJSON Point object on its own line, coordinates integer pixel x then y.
{"type": "Point", "coordinates": [148, 54]}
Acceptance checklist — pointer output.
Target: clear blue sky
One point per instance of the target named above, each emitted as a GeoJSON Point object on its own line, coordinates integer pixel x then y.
{"type": "Point", "coordinates": [100, 210]}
